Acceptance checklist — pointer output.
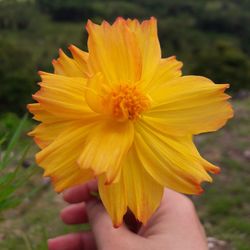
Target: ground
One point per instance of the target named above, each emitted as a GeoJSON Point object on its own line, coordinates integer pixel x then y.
{"type": "Point", "coordinates": [224, 207]}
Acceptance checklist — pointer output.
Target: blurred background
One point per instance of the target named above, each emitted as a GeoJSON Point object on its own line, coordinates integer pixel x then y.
{"type": "Point", "coordinates": [212, 38]}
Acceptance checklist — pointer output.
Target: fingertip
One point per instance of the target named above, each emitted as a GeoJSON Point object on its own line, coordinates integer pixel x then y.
{"type": "Point", "coordinates": [52, 244]}
{"type": "Point", "coordinates": [76, 241]}
{"type": "Point", "coordinates": [67, 195]}
{"type": "Point", "coordinates": [74, 214]}
{"type": "Point", "coordinates": [80, 193]}
{"type": "Point", "coordinates": [76, 194]}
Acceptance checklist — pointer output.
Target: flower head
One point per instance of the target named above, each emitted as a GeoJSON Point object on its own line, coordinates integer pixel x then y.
{"type": "Point", "coordinates": [124, 115]}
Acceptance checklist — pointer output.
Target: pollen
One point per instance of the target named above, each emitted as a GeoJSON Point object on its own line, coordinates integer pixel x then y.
{"type": "Point", "coordinates": [128, 102]}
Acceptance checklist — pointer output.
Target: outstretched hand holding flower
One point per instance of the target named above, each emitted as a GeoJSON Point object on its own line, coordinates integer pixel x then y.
{"type": "Point", "coordinates": [124, 115]}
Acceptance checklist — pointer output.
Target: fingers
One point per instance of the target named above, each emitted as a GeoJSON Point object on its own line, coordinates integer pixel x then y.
{"type": "Point", "coordinates": [85, 208]}
{"type": "Point", "coordinates": [74, 214]}
{"type": "Point", "coordinates": [106, 235]}
{"type": "Point", "coordinates": [80, 193]}
{"type": "Point", "coordinates": [76, 241]}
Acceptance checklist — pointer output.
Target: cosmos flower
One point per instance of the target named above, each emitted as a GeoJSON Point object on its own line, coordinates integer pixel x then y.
{"type": "Point", "coordinates": [123, 115]}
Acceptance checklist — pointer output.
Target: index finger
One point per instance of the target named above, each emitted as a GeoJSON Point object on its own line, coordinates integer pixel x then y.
{"type": "Point", "coordinates": [80, 193]}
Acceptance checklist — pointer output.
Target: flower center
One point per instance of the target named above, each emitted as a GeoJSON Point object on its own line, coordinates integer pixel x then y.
{"type": "Point", "coordinates": [127, 102]}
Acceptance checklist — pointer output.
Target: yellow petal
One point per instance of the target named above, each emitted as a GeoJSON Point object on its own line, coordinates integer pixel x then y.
{"type": "Point", "coordinates": [81, 57]}
{"type": "Point", "coordinates": [105, 148]}
{"type": "Point", "coordinates": [136, 189]}
{"type": "Point", "coordinates": [189, 105]}
{"type": "Point", "coordinates": [113, 51]}
{"type": "Point", "coordinates": [67, 66]}
{"type": "Point", "coordinates": [167, 70]}
{"type": "Point", "coordinates": [144, 193]}
{"type": "Point", "coordinates": [147, 38]}
{"type": "Point", "coordinates": [114, 199]}
{"type": "Point", "coordinates": [40, 114]}
{"type": "Point", "coordinates": [173, 161]}
{"type": "Point", "coordinates": [95, 92]}
{"type": "Point", "coordinates": [44, 133]}
{"type": "Point", "coordinates": [60, 160]}
{"type": "Point", "coordinates": [63, 96]}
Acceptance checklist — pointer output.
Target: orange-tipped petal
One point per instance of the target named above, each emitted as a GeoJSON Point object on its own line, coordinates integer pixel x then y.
{"type": "Point", "coordinates": [67, 66]}
{"type": "Point", "coordinates": [114, 199]}
{"type": "Point", "coordinates": [59, 158]}
{"type": "Point", "coordinates": [114, 51]}
{"type": "Point", "coordinates": [106, 147]}
{"type": "Point", "coordinates": [147, 39]}
{"type": "Point", "coordinates": [189, 105]}
{"type": "Point", "coordinates": [167, 70]}
{"type": "Point", "coordinates": [81, 57]}
{"type": "Point", "coordinates": [144, 193]}
{"type": "Point", "coordinates": [173, 161]}
{"type": "Point", "coordinates": [63, 96]}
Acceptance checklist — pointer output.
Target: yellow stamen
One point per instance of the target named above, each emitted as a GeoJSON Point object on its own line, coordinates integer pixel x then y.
{"type": "Point", "coordinates": [127, 103]}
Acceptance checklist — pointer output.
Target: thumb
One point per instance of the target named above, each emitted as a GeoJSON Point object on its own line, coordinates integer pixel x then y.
{"type": "Point", "coordinates": [105, 234]}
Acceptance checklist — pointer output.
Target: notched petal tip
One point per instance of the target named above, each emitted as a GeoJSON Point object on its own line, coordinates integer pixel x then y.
{"type": "Point", "coordinates": [227, 85]}
{"type": "Point", "coordinates": [29, 107]}
{"type": "Point", "coordinates": [71, 47]}
{"type": "Point", "coordinates": [54, 62]}
{"type": "Point", "coordinates": [211, 168]}
{"type": "Point", "coordinates": [60, 52]}
{"type": "Point", "coordinates": [201, 191]}
{"type": "Point", "coordinates": [34, 96]}
{"type": "Point", "coordinates": [31, 133]}
{"type": "Point", "coordinates": [117, 225]}
{"type": "Point", "coordinates": [120, 19]}
{"type": "Point", "coordinates": [150, 22]}
{"type": "Point", "coordinates": [41, 73]}
{"type": "Point", "coordinates": [44, 74]}
{"type": "Point", "coordinates": [197, 184]}
{"type": "Point", "coordinates": [216, 170]}
{"type": "Point", "coordinates": [89, 25]}
{"type": "Point", "coordinates": [105, 24]}
{"type": "Point", "coordinates": [53, 180]}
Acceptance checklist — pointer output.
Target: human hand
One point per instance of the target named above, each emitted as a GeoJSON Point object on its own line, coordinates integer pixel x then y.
{"type": "Point", "coordinates": [174, 226]}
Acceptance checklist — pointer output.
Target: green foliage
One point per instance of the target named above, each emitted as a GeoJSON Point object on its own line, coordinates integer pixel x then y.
{"type": "Point", "coordinates": [16, 76]}
{"type": "Point", "coordinates": [17, 15]}
{"type": "Point", "coordinates": [229, 62]}
{"type": "Point", "coordinates": [12, 176]}
{"type": "Point", "coordinates": [8, 122]}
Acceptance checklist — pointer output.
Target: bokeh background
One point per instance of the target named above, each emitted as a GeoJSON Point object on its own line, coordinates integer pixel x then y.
{"type": "Point", "coordinates": [212, 38]}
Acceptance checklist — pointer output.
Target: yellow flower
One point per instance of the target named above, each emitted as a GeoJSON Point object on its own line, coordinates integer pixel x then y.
{"type": "Point", "coordinates": [126, 116]}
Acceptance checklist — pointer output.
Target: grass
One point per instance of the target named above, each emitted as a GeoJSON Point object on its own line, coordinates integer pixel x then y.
{"type": "Point", "coordinates": [224, 208]}
{"type": "Point", "coordinates": [36, 219]}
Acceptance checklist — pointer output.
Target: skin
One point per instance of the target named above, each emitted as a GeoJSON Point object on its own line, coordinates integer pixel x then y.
{"type": "Point", "coordinates": [174, 226]}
